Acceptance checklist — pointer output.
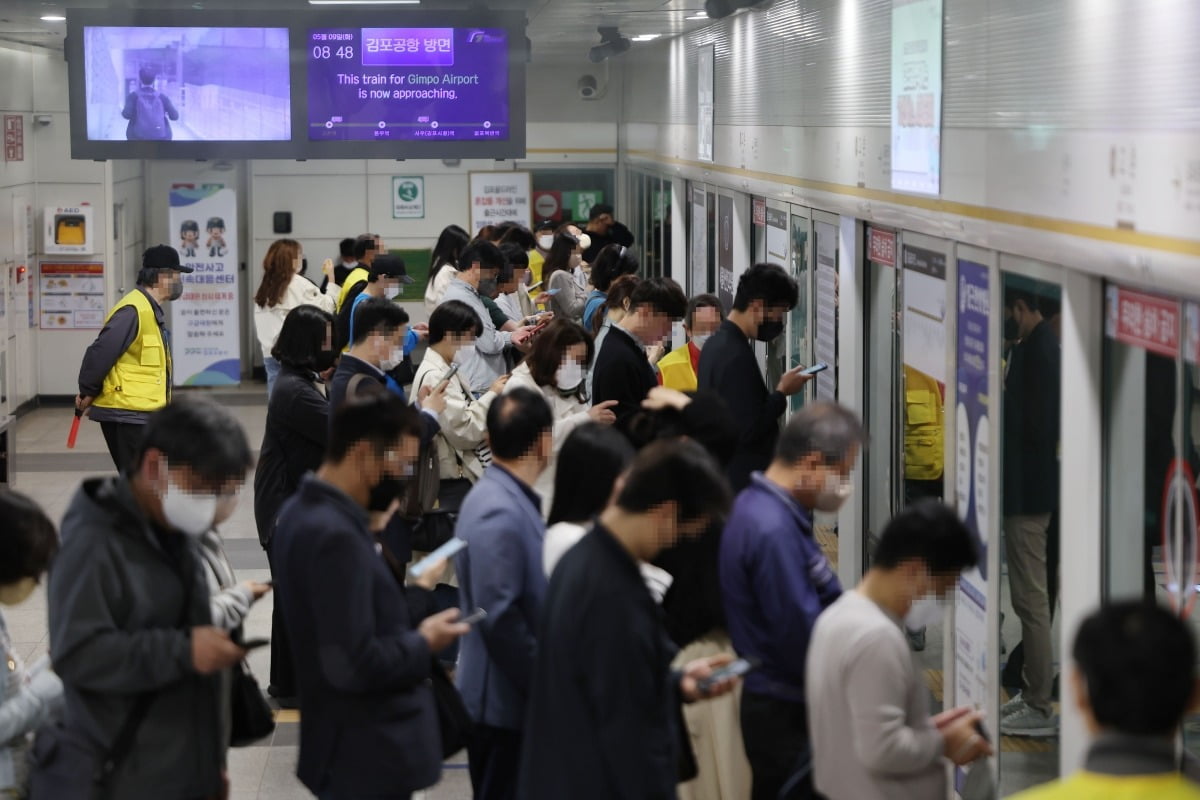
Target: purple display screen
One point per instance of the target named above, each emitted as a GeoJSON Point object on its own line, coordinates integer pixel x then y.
{"type": "Point", "coordinates": [407, 84]}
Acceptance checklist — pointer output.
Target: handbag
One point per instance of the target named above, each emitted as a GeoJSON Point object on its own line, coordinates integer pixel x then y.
{"type": "Point", "coordinates": [250, 716]}
{"type": "Point", "coordinates": [436, 527]}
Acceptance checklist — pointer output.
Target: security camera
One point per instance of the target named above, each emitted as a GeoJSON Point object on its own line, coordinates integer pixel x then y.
{"type": "Point", "coordinates": [588, 88]}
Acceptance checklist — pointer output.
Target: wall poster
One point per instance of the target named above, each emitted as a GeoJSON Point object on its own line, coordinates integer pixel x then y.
{"type": "Point", "coordinates": [72, 296]}
{"type": "Point", "coordinates": [705, 72]}
{"type": "Point", "coordinates": [725, 281]}
{"type": "Point", "coordinates": [699, 248]}
{"type": "Point", "coordinates": [500, 197]}
{"type": "Point", "coordinates": [916, 96]}
{"type": "Point", "coordinates": [827, 311]}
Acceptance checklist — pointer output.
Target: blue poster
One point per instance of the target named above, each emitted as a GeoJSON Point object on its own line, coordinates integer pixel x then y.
{"type": "Point", "coordinates": [972, 479]}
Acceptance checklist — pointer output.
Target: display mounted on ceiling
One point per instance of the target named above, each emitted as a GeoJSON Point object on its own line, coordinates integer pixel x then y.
{"type": "Point", "coordinates": [224, 84]}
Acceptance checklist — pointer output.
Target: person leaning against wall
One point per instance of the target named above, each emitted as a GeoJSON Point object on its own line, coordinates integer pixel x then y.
{"type": "Point", "coordinates": [126, 372]}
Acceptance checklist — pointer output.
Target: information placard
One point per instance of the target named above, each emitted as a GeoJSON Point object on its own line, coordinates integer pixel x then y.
{"type": "Point", "coordinates": [917, 95]}
{"type": "Point", "coordinates": [500, 197]}
{"type": "Point", "coordinates": [408, 198]}
{"type": "Point", "coordinates": [72, 295]}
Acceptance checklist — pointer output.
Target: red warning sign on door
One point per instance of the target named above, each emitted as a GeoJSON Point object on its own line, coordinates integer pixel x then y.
{"type": "Point", "coordinates": [1144, 320]}
{"type": "Point", "coordinates": [14, 137]}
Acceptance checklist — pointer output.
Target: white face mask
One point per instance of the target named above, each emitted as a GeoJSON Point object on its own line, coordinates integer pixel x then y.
{"type": "Point", "coordinates": [926, 611]}
{"type": "Point", "coordinates": [834, 495]}
{"type": "Point", "coordinates": [462, 354]}
{"type": "Point", "coordinates": [545, 242]}
{"type": "Point", "coordinates": [700, 339]}
{"type": "Point", "coordinates": [585, 241]}
{"type": "Point", "coordinates": [188, 512]}
{"type": "Point", "coordinates": [569, 375]}
{"type": "Point", "coordinates": [393, 361]}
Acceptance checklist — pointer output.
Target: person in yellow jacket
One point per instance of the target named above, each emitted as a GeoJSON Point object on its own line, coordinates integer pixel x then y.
{"type": "Point", "coordinates": [677, 369]}
{"type": "Point", "coordinates": [366, 247]}
{"type": "Point", "coordinates": [1133, 682]}
{"type": "Point", "coordinates": [126, 371]}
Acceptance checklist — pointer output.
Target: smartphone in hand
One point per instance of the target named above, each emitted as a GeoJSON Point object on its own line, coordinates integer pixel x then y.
{"type": "Point", "coordinates": [735, 669]}
{"type": "Point", "coordinates": [820, 366]}
{"type": "Point", "coordinates": [445, 551]}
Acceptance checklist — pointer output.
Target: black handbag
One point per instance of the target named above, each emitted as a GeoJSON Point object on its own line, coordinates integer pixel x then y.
{"type": "Point", "coordinates": [454, 721]}
{"type": "Point", "coordinates": [251, 717]}
{"type": "Point", "coordinates": [436, 527]}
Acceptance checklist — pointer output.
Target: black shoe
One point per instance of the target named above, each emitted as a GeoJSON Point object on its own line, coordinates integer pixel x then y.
{"type": "Point", "coordinates": [287, 701]}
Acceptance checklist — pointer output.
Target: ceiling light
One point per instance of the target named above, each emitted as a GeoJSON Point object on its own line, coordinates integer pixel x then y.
{"type": "Point", "coordinates": [647, 37]}
{"type": "Point", "coordinates": [612, 43]}
{"type": "Point", "coordinates": [701, 15]}
{"type": "Point", "coordinates": [716, 9]}
{"type": "Point", "coordinates": [364, 2]}
{"type": "Point", "coordinates": [53, 18]}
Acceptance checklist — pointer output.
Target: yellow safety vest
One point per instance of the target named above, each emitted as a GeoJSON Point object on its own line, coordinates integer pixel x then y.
{"type": "Point", "coordinates": [536, 262]}
{"type": "Point", "coordinates": [357, 275]}
{"type": "Point", "coordinates": [140, 380]}
{"type": "Point", "coordinates": [676, 370]}
{"type": "Point", "coordinates": [924, 427]}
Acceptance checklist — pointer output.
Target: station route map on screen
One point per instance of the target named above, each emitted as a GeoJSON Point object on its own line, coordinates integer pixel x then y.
{"type": "Point", "coordinates": [408, 84]}
{"type": "Point", "coordinates": [187, 84]}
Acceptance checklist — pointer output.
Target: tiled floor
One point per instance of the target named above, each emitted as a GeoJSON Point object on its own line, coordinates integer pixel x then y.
{"type": "Point", "coordinates": [50, 473]}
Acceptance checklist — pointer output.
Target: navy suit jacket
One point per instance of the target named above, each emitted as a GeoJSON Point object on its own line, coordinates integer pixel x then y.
{"type": "Point", "coordinates": [500, 572]}
{"type": "Point", "coordinates": [369, 726]}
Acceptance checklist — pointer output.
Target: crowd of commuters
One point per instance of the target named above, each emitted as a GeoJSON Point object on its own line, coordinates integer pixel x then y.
{"type": "Point", "coordinates": [628, 525]}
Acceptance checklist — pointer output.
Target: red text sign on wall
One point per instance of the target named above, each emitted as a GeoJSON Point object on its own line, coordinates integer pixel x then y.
{"type": "Point", "coordinates": [882, 247]}
{"type": "Point", "coordinates": [760, 212]}
{"type": "Point", "coordinates": [14, 137]}
{"type": "Point", "coordinates": [1143, 320]}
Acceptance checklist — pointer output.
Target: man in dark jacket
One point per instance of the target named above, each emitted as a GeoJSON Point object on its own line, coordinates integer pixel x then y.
{"type": "Point", "coordinates": [126, 372]}
{"type": "Point", "coordinates": [604, 718]}
{"type": "Point", "coordinates": [1031, 433]}
{"type": "Point", "coordinates": [369, 727]}
{"type": "Point", "coordinates": [623, 372]}
{"type": "Point", "coordinates": [728, 367]}
{"type": "Point", "coordinates": [604, 230]}
{"type": "Point", "coordinates": [130, 623]}
{"type": "Point", "coordinates": [776, 581]}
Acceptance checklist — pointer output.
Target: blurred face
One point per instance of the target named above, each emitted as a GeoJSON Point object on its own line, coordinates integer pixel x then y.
{"type": "Point", "coordinates": [1027, 319]}
{"type": "Point", "coordinates": [298, 262]}
{"type": "Point", "coordinates": [186, 502]}
{"type": "Point", "coordinates": [705, 322]}
{"type": "Point", "coordinates": [518, 279]}
{"type": "Point", "coordinates": [658, 327]}
{"type": "Point", "coordinates": [602, 223]}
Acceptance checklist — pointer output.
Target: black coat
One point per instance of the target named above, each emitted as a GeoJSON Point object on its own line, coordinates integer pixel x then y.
{"type": "Point", "coordinates": [1032, 411]}
{"type": "Point", "coordinates": [728, 367]}
{"type": "Point", "coordinates": [623, 373]}
{"type": "Point", "coordinates": [604, 720]}
{"type": "Point", "coordinates": [293, 444]}
{"type": "Point", "coordinates": [369, 727]}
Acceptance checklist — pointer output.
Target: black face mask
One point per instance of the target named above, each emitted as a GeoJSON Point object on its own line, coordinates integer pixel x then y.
{"type": "Point", "coordinates": [324, 360]}
{"type": "Point", "coordinates": [175, 285]}
{"type": "Point", "coordinates": [303, 265]}
{"type": "Point", "coordinates": [384, 492]}
{"type": "Point", "coordinates": [1012, 330]}
{"type": "Point", "coordinates": [769, 330]}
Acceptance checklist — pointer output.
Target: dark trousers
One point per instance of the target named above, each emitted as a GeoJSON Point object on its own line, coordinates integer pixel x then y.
{"type": "Point", "coordinates": [495, 759]}
{"type": "Point", "coordinates": [775, 734]}
{"type": "Point", "coordinates": [283, 672]}
{"type": "Point", "coordinates": [123, 439]}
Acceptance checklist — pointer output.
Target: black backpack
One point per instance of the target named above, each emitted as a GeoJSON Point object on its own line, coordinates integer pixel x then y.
{"type": "Point", "coordinates": [150, 116]}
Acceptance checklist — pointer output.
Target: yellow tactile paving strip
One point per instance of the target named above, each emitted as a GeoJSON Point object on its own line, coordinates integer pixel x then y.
{"type": "Point", "coordinates": [1008, 744]}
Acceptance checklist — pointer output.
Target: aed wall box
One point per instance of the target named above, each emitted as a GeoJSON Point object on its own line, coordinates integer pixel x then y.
{"type": "Point", "coordinates": [69, 230]}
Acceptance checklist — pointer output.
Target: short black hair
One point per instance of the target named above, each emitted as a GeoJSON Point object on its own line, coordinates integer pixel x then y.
{"type": "Point", "coordinates": [828, 429]}
{"type": "Point", "coordinates": [379, 417]}
{"type": "Point", "coordinates": [1138, 662]}
{"type": "Point", "coordinates": [480, 251]}
{"type": "Point", "coordinates": [515, 256]}
{"type": "Point", "coordinates": [515, 422]}
{"type": "Point", "coordinates": [197, 433]}
{"type": "Point", "coordinates": [1049, 306]}
{"type": "Point", "coordinates": [677, 470]}
{"type": "Point", "coordinates": [929, 531]}
{"type": "Point", "coordinates": [302, 337]}
{"type": "Point", "coordinates": [1026, 297]}
{"type": "Point", "coordinates": [520, 236]}
{"type": "Point", "coordinates": [662, 294]}
{"type": "Point", "coordinates": [612, 262]}
{"type": "Point", "coordinates": [361, 245]}
{"type": "Point", "coordinates": [702, 301]}
{"type": "Point", "coordinates": [377, 315]}
{"type": "Point", "coordinates": [346, 248]}
{"type": "Point", "coordinates": [147, 74]}
{"type": "Point", "coordinates": [28, 540]}
{"type": "Point", "coordinates": [453, 316]}
{"type": "Point", "coordinates": [599, 210]}
{"type": "Point", "coordinates": [589, 463]}
{"type": "Point", "coordinates": [769, 283]}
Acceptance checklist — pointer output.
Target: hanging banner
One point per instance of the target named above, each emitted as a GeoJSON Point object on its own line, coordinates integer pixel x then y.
{"type": "Point", "coordinates": [973, 481]}
{"type": "Point", "coordinates": [205, 340]}
{"type": "Point", "coordinates": [725, 282]}
{"type": "Point", "coordinates": [916, 95]}
{"type": "Point", "coordinates": [705, 94]}
{"type": "Point", "coordinates": [699, 271]}
{"type": "Point", "coordinates": [500, 197]}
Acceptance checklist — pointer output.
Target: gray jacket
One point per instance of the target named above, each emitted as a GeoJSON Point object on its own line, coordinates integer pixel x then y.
{"type": "Point", "coordinates": [486, 361]}
{"type": "Point", "coordinates": [116, 594]}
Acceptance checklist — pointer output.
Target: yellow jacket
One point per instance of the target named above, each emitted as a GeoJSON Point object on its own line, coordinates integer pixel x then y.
{"type": "Point", "coordinates": [677, 371]}
{"type": "Point", "coordinates": [140, 380]}
{"type": "Point", "coordinates": [924, 426]}
{"type": "Point", "coordinates": [1084, 785]}
{"type": "Point", "coordinates": [356, 276]}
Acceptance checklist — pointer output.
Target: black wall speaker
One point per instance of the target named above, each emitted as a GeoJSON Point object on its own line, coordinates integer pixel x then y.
{"type": "Point", "coordinates": [283, 222]}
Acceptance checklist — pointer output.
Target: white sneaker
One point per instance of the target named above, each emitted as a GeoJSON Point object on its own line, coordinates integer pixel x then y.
{"type": "Point", "coordinates": [1015, 704]}
{"type": "Point", "coordinates": [1029, 722]}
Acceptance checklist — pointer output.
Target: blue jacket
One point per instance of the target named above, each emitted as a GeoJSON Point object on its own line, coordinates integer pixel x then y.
{"type": "Point", "coordinates": [369, 726]}
{"type": "Point", "coordinates": [500, 572]}
{"type": "Point", "coordinates": [775, 581]}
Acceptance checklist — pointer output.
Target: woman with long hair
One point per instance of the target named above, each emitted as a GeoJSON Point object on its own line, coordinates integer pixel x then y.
{"type": "Point", "coordinates": [281, 289]}
{"type": "Point", "coordinates": [558, 274]}
{"type": "Point", "coordinates": [556, 367]}
{"type": "Point", "coordinates": [445, 253]}
{"type": "Point", "coordinates": [611, 311]}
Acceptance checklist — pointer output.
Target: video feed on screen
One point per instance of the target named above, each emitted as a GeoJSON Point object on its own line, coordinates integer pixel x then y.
{"type": "Point", "coordinates": [413, 84]}
{"type": "Point", "coordinates": [187, 84]}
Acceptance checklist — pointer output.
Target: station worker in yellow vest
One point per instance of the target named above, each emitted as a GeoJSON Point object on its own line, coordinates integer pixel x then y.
{"type": "Point", "coordinates": [366, 247]}
{"type": "Point", "coordinates": [1133, 681]}
{"type": "Point", "coordinates": [677, 369]}
{"type": "Point", "coordinates": [126, 371]}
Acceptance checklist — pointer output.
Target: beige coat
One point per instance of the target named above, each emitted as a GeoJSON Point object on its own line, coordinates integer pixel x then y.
{"type": "Point", "coordinates": [464, 420]}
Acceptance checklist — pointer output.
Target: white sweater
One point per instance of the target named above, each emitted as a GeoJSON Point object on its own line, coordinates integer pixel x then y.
{"type": "Point", "coordinates": [300, 292]}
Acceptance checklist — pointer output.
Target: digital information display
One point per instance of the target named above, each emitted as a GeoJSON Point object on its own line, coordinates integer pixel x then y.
{"type": "Point", "coordinates": [408, 84]}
